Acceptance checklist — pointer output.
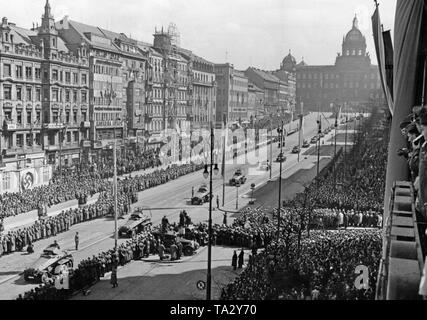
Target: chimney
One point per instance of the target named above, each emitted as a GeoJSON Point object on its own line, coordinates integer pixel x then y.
{"type": "Point", "coordinates": [4, 21]}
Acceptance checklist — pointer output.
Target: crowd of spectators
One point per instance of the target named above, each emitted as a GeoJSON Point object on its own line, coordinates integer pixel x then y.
{"type": "Point", "coordinates": [75, 182]}
{"type": "Point", "coordinates": [16, 240]}
{"type": "Point", "coordinates": [323, 268]}
{"type": "Point", "coordinates": [322, 264]}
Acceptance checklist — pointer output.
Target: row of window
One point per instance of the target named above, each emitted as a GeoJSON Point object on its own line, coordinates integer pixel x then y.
{"type": "Point", "coordinates": [354, 52]}
{"type": "Point", "coordinates": [352, 94]}
{"type": "Point", "coordinates": [59, 76]}
{"type": "Point", "coordinates": [204, 77]}
{"type": "Point", "coordinates": [336, 85]}
{"type": "Point", "coordinates": [20, 71]}
{"type": "Point", "coordinates": [101, 69]}
{"type": "Point", "coordinates": [332, 76]}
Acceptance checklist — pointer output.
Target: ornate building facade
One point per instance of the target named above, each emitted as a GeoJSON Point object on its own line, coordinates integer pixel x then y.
{"type": "Point", "coordinates": [352, 82]}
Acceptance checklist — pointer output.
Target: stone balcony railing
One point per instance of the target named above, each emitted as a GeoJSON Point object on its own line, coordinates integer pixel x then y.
{"type": "Point", "coordinates": [402, 264]}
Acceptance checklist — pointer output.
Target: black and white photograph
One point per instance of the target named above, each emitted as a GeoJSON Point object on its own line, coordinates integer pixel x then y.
{"type": "Point", "coordinates": [213, 151]}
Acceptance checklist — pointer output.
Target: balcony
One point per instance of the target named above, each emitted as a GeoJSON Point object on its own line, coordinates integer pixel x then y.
{"type": "Point", "coordinates": [97, 145]}
{"type": "Point", "coordinates": [69, 146]}
{"type": "Point", "coordinates": [85, 124]}
{"type": "Point", "coordinates": [23, 150]}
{"type": "Point", "coordinates": [401, 269]}
{"type": "Point", "coordinates": [53, 126]}
{"type": "Point", "coordinates": [51, 148]}
{"type": "Point", "coordinates": [109, 124]}
{"type": "Point", "coordinates": [86, 144]}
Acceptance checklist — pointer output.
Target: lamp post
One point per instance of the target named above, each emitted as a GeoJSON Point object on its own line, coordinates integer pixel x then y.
{"type": "Point", "coordinates": [319, 123]}
{"type": "Point", "coordinates": [345, 144]}
{"type": "Point", "coordinates": [335, 151]}
{"type": "Point", "coordinates": [237, 195]}
{"type": "Point", "coordinates": [213, 169]}
{"type": "Point", "coordinates": [115, 189]}
{"type": "Point", "coordinates": [280, 132]}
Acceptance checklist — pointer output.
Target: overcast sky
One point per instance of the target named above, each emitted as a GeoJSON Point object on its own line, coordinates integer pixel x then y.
{"type": "Point", "coordinates": [253, 32]}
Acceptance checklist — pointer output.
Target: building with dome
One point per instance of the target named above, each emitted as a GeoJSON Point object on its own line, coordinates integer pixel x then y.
{"type": "Point", "coordinates": [352, 82]}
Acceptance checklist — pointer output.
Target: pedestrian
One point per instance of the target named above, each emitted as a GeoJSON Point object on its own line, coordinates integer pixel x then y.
{"type": "Point", "coordinates": [234, 260]}
{"type": "Point", "coordinates": [113, 280]}
{"type": "Point", "coordinates": [161, 250]}
{"type": "Point", "coordinates": [76, 240]}
{"type": "Point", "coordinates": [217, 201]}
{"type": "Point", "coordinates": [224, 221]}
{"type": "Point", "coordinates": [173, 250]}
{"type": "Point", "coordinates": [241, 258]}
{"type": "Point", "coordinates": [254, 249]}
{"type": "Point", "coordinates": [192, 192]}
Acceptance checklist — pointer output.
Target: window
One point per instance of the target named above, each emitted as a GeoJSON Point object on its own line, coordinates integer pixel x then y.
{"type": "Point", "coordinates": [28, 142]}
{"type": "Point", "coordinates": [75, 78]}
{"type": "Point", "coordinates": [84, 78]}
{"type": "Point", "coordinates": [19, 140]}
{"type": "Point", "coordinates": [7, 92]}
{"type": "Point", "coordinates": [29, 121]}
{"type": "Point", "coordinates": [38, 94]}
{"type": "Point", "coordinates": [67, 116]}
{"type": "Point", "coordinates": [67, 95]}
{"type": "Point", "coordinates": [38, 73]}
{"type": "Point", "coordinates": [74, 96]}
{"type": "Point", "coordinates": [84, 96]}
{"type": "Point", "coordinates": [7, 70]}
{"type": "Point", "coordinates": [67, 77]}
{"type": "Point", "coordinates": [18, 93]}
{"type": "Point", "coordinates": [84, 116]}
{"type": "Point", "coordinates": [55, 117]}
{"type": "Point", "coordinates": [19, 116]}
{"type": "Point", "coordinates": [38, 142]}
{"type": "Point", "coordinates": [6, 181]}
{"type": "Point", "coordinates": [18, 71]}
{"type": "Point", "coordinates": [29, 94]}
{"type": "Point", "coordinates": [76, 136]}
{"type": "Point", "coordinates": [8, 115]}
{"type": "Point", "coordinates": [75, 116]}
{"type": "Point", "coordinates": [360, 52]}
{"type": "Point", "coordinates": [38, 116]}
{"type": "Point", "coordinates": [28, 72]}
{"type": "Point", "coordinates": [68, 136]}
{"type": "Point", "coordinates": [55, 75]}
{"type": "Point", "coordinates": [55, 95]}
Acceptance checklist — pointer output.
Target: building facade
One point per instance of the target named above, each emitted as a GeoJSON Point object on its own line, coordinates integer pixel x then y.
{"type": "Point", "coordinates": [232, 94]}
{"type": "Point", "coordinates": [255, 102]}
{"type": "Point", "coordinates": [353, 82]}
{"type": "Point", "coordinates": [204, 93]}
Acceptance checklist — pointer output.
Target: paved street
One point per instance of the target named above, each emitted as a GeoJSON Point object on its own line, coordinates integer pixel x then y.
{"type": "Point", "coordinates": [167, 199]}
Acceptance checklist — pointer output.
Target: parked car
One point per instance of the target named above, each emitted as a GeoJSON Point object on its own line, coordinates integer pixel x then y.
{"type": "Point", "coordinates": [314, 140]}
{"type": "Point", "coordinates": [305, 144]}
{"type": "Point", "coordinates": [201, 196]}
{"type": "Point", "coordinates": [321, 135]}
{"type": "Point", "coordinates": [238, 178]}
{"type": "Point", "coordinates": [281, 158]}
{"type": "Point", "coordinates": [51, 262]}
{"type": "Point", "coordinates": [265, 165]}
{"type": "Point", "coordinates": [189, 247]}
{"type": "Point", "coordinates": [296, 149]}
{"type": "Point", "coordinates": [138, 221]}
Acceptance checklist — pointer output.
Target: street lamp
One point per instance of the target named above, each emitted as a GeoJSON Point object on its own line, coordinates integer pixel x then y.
{"type": "Point", "coordinates": [237, 195]}
{"type": "Point", "coordinates": [280, 132]}
{"type": "Point", "coordinates": [213, 169]}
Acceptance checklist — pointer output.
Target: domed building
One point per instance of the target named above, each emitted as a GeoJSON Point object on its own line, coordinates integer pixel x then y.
{"type": "Point", "coordinates": [289, 63]}
{"type": "Point", "coordinates": [351, 82]}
